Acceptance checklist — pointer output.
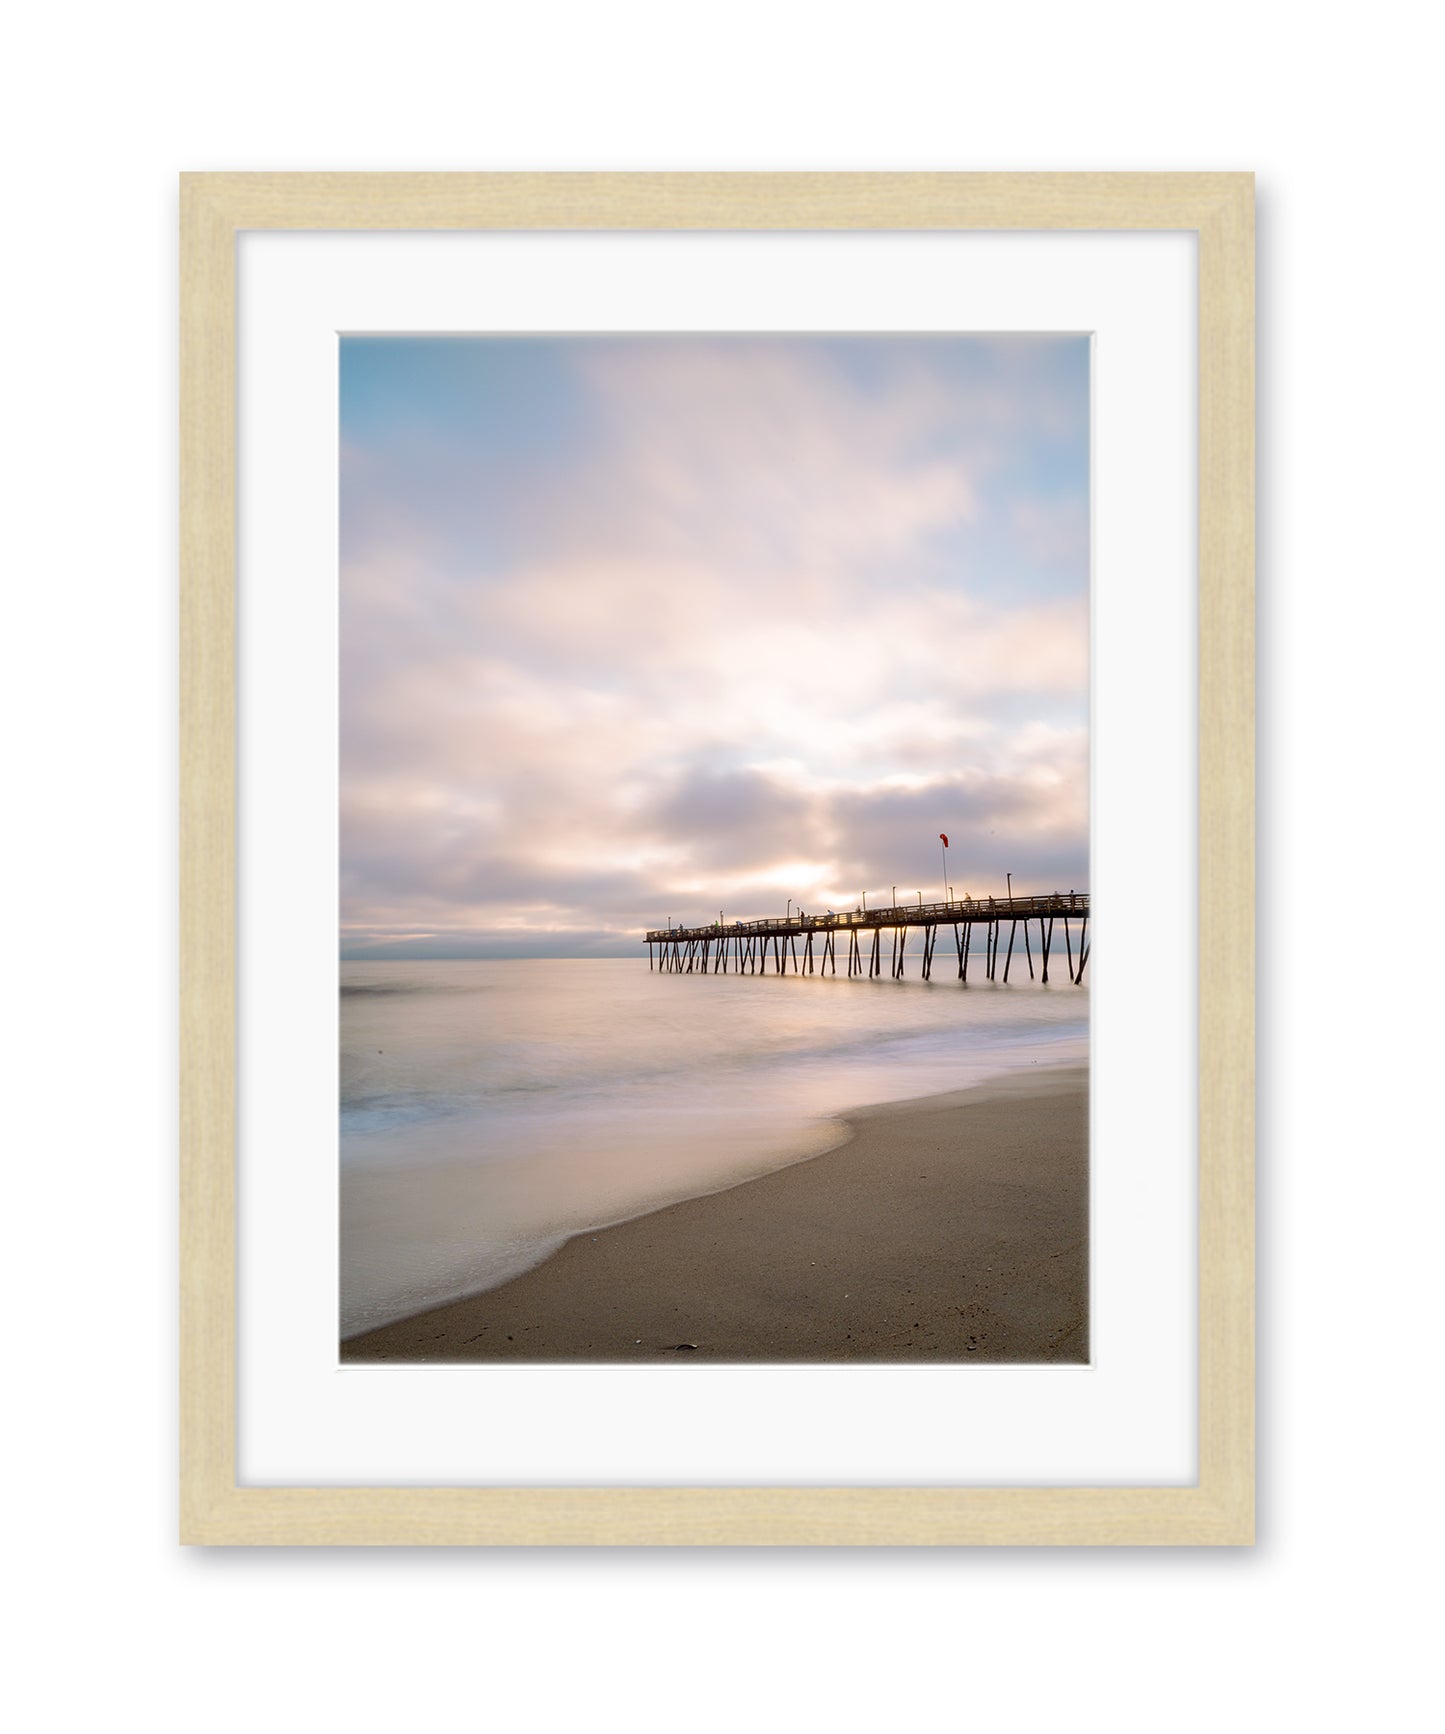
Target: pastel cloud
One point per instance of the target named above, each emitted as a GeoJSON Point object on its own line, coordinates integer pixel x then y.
{"type": "Point", "coordinates": [651, 627]}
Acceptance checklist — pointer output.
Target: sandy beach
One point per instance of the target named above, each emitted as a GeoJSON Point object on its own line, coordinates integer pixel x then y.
{"type": "Point", "coordinates": [949, 1229]}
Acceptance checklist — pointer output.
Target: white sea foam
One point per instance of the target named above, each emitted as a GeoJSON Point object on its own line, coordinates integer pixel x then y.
{"type": "Point", "coordinates": [489, 1111]}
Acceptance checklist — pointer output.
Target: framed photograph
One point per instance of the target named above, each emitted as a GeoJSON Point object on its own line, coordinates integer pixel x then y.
{"type": "Point", "coordinates": [711, 655]}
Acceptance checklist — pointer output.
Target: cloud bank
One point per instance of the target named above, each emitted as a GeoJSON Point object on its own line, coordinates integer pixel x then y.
{"type": "Point", "coordinates": [639, 629]}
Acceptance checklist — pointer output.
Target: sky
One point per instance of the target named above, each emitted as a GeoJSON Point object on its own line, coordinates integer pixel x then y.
{"type": "Point", "coordinates": [667, 628]}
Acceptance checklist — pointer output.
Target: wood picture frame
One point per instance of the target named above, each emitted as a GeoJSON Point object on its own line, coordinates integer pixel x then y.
{"type": "Point", "coordinates": [215, 1508]}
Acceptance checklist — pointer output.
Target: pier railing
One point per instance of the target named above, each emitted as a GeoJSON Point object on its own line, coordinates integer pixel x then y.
{"type": "Point", "coordinates": [898, 915]}
{"type": "Point", "coordinates": [744, 946]}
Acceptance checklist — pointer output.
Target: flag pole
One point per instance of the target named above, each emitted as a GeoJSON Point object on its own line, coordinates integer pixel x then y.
{"type": "Point", "coordinates": [945, 866]}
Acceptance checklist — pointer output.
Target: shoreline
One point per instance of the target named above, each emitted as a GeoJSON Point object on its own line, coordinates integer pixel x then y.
{"type": "Point", "coordinates": [950, 1227]}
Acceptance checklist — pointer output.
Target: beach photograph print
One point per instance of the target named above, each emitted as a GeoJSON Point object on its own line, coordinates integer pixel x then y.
{"type": "Point", "coordinates": [715, 951]}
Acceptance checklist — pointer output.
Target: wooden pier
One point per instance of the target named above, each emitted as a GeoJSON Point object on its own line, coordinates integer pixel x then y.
{"type": "Point", "coordinates": [749, 947]}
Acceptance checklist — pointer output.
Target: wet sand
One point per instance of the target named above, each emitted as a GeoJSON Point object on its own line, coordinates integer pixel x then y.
{"type": "Point", "coordinates": [952, 1229]}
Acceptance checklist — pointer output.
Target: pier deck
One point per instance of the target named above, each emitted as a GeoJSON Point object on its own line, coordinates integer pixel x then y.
{"type": "Point", "coordinates": [745, 947]}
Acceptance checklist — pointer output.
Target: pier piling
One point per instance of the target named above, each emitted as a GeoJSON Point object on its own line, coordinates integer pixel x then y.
{"type": "Point", "coordinates": [744, 947]}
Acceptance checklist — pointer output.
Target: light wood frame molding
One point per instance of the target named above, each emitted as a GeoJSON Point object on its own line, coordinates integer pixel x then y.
{"type": "Point", "coordinates": [1219, 1509]}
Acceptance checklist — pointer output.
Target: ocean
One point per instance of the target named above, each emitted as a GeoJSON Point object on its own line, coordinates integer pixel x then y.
{"type": "Point", "coordinates": [490, 1111]}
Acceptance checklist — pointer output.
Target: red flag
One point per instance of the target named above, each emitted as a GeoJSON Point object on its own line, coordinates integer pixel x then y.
{"type": "Point", "coordinates": [942, 839]}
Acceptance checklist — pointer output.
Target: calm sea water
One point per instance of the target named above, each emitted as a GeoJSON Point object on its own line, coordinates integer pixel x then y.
{"type": "Point", "coordinates": [489, 1111]}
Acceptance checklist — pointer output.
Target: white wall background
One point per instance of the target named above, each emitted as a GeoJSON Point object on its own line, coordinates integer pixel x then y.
{"type": "Point", "coordinates": [1324, 1624]}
